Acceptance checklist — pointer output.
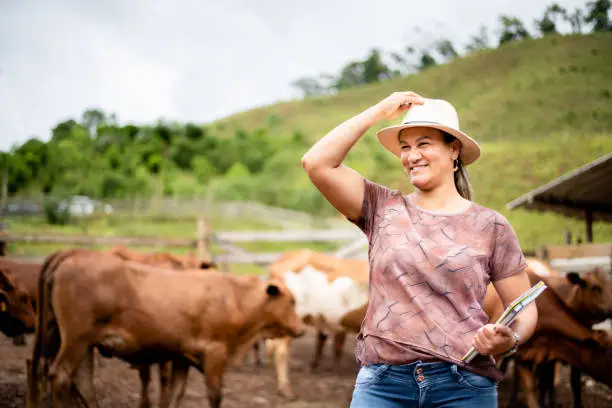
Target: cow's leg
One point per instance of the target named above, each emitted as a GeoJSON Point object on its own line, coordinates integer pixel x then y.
{"type": "Point", "coordinates": [515, 382]}
{"type": "Point", "coordinates": [214, 365]}
{"type": "Point", "coordinates": [575, 375]}
{"type": "Point", "coordinates": [257, 353]}
{"type": "Point", "coordinates": [527, 382]}
{"type": "Point", "coordinates": [34, 381]}
{"type": "Point", "coordinates": [544, 373]}
{"type": "Point", "coordinates": [84, 380]}
{"type": "Point", "coordinates": [144, 372]}
{"type": "Point", "coordinates": [63, 371]}
{"type": "Point", "coordinates": [19, 340]}
{"type": "Point", "coordinates": [557, 377]}
{"type": "Point", "coordinates": [280, 352]}
{"type": "Point", "coordinates": [178, 383]}
{"type": "Point", "coordinates": [321, 339]}
{"type": "Point", "coordinates": [339, 341]}
{"type": "Point", "coordinates": [165, 383]}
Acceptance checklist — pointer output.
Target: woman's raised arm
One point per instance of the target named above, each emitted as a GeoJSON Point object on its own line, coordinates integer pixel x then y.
{"type": "Point", "coordinates": [341, 185]}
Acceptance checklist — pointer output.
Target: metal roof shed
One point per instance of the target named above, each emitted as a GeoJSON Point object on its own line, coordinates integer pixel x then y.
{"type": "Point", "coordinates": [584, 193]}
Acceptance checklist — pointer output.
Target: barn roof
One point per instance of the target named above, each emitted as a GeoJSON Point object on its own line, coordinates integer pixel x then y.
{"type": "Point", "coordinates": [587, 189]}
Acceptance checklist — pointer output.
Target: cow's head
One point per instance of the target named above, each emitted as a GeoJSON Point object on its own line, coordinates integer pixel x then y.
{"type": "Point", "coordinates": [281, 318]}
{"type": "Point", "coordinates": [17, 313]}
{"type": "Point", "coordinates": [592, 294]}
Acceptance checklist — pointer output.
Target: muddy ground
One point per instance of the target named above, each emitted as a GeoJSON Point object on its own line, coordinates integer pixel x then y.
{"type": "Point", "coordinates": [245, 385]}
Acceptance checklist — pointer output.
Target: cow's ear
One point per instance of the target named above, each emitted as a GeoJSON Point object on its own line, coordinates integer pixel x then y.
{"type": "Point", "coordinates": [5, 282]}
{"type": "Point", "coordinates": [575, 278]}
{"type": "Point", "coordinates": [273, 290]}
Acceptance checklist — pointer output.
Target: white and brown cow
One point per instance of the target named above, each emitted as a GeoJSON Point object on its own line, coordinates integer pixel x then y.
{"type": "Point", "coordinates": [331, 295]}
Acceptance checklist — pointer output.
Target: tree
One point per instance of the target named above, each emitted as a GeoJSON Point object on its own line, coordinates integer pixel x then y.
{"type": "Point", "coordinates": [446, 49]}
{"type": "Point", "coordinates": [63, 130]}
{"type": "Point", "coordinates": [427, 60]}
{"type": "Point", "coordinates": [193, 132]}
{"type": "Point", "coordinates": [308, 87]}
{"type": "Point", "coordinates": [403, 67]}
{"type": "Point", "coordinates": [597, 15]}
{"type": "Point", "coordinates": [479, 41]}
{"type": "Point", "coordinates": [512, 30]}
{"type": "Point", "coordinates": [374, 69]}
{"type": "Point", "coordinates": [548, 23]}
{"type": "Point", "coordinates": [575, 19]}
{"type": "Point", "coordinates": [91, 119]}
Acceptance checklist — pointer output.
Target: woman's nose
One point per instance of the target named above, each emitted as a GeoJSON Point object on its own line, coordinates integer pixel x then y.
{"type": "Point", "coordinates": [414, 155]}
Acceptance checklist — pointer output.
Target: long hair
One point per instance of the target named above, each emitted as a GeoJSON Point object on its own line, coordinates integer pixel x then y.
{"type": "Point", "coordinates": [462, 179]}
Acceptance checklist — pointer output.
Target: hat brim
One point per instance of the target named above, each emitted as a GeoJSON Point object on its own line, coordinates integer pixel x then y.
{"type": "Point", "coordinates": [388, 137]}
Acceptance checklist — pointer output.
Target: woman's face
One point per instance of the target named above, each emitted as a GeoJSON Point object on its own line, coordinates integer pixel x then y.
{"type": "Point", "coordinates": [426, 157]}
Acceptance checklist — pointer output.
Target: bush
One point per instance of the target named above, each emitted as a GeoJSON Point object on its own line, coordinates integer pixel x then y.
{"type": "Point", "coordinates": [54, 214]}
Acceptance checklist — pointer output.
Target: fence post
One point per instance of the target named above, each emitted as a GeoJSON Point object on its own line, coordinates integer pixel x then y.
{"type": "Point", "coordinates": [542, 254]}
{"type": "Point", "coordinates": [202, 238]}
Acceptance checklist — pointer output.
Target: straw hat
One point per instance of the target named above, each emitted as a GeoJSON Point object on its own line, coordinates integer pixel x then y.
{"type": "Point", "coordinates": [437, 114]}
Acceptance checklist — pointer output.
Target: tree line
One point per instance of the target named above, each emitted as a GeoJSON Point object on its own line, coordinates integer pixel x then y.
{"type": "Point", "coordinates": [97, 157]}
{"type": "Point", "coordinates": [381, 65]}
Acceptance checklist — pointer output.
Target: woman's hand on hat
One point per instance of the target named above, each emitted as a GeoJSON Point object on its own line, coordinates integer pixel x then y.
{"type": "Point", "coordinates": [397, 103]}
{"type": "Point", "coordinates": [493, 339]}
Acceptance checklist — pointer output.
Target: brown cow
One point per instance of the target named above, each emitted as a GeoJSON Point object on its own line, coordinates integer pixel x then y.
{"type": "Point", "coordinates": [18, 281]}
{"type": "Point", "coordinates": [162, 259]}
{"type": "Point", "coordinates": [592, 358]}
{"type": "Point", "coordinates": [144, 314]}
{"type": "Point", "coordinates": [569, 307]}
{"type": "Point", "coordinates": [166, 260]}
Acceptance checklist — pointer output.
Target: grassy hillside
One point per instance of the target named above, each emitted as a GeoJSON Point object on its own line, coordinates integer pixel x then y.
{"type": "Point", "coordinates": [521, 90]}
{"type": "Point", "coordinates": [539, 107]}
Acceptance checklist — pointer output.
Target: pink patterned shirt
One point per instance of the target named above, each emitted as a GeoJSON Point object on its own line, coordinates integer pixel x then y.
{"type": "Point", "coordinates": [428, 277]}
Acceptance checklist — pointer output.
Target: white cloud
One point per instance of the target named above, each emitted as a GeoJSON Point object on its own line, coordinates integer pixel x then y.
{"type": "Point", "coordinates": [197, 61]}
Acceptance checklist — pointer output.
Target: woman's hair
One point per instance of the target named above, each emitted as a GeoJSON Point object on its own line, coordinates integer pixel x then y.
{"type": "Point", "coordinates": [462, 180]}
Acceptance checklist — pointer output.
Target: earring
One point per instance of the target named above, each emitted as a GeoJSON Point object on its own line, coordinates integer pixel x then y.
{"type": "Point", "coordinates": [455, 164]}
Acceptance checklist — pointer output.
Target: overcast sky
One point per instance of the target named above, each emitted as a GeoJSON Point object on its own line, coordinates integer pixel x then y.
{"type": "Point", "coordinates": [198, 60]}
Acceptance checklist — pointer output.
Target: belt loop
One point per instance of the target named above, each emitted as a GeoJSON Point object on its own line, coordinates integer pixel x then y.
{"type": "Point", "coordinates": [454, 369]}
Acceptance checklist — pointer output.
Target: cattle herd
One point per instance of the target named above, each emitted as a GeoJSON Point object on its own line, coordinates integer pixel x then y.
{"type": "Point", "coordinates": [178, 312]}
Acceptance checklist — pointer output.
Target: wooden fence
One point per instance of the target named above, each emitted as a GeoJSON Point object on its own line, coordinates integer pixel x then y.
{"type": "Point", "coordinates": [202, 242]}
{"type": "Point", "coordinates": [577, 257]}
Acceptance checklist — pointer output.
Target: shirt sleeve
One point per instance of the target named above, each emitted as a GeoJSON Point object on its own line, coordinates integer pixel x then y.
{"type": "Point", "coordinates": [507, 258]}
{"type": "Point", "coordinates": [374, 197]}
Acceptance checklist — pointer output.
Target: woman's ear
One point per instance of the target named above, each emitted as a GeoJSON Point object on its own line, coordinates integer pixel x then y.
{"type": "Point", "coordinates": [456, 149]}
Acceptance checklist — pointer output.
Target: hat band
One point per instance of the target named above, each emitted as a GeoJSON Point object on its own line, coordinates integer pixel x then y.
{"type": "Point", "coordinates": [425, 121]}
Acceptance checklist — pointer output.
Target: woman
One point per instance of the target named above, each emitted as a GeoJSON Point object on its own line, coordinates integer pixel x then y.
{"type": "Point", "coordinates": [432, 254]}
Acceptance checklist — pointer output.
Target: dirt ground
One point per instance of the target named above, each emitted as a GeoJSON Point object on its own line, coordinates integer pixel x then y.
{"type": "Point", "coordinates": [245, 385]}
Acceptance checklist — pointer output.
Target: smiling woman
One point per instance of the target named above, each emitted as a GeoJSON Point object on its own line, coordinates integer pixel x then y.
{"type": "Point", "coordinates": [432, 254]}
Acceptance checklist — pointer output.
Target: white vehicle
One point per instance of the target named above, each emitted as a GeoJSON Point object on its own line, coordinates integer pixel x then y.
{"type": "Point", "coordinates": [83, 205]}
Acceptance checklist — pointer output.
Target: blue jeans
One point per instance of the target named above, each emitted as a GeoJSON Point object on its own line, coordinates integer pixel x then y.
{"type": "Point", "coordinates": [422, 385]}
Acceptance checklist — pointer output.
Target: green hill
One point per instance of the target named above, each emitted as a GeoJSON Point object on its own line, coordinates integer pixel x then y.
{"type": "Point", "coordinates": [539, 107]}
{"type": "Point", "coordinates": [522, 90]}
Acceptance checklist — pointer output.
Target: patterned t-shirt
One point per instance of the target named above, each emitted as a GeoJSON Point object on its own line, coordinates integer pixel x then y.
{"type": "Point", "coordinates": [429, 273]}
